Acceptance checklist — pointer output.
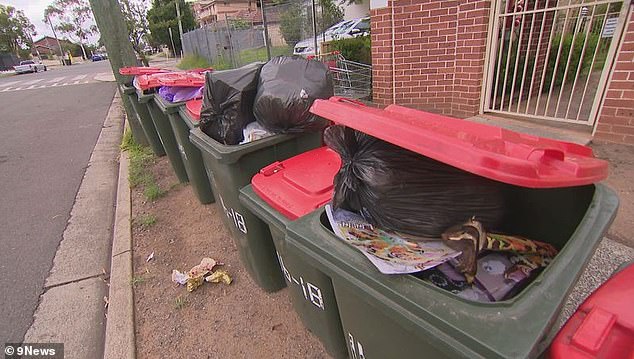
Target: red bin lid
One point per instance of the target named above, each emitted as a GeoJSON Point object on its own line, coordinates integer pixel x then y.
{"type": "Point", "coordinates": [300, 184]}
{"type": "Point", "coordinates": [146, 82]}
{"type": "Point", "coordinates": [182, 79]}
{"type": "Point", "coordinates": [135, 71]}
{"type": "Point", "coordinates": [193, 108]}
{"type": "Point", "coordinates": [603, 326]}
{"type": "Point", "coordinates": [488, 151]}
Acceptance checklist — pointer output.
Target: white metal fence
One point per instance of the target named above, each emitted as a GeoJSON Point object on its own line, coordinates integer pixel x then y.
{"type": "Point", "coordinates": [549, 59]}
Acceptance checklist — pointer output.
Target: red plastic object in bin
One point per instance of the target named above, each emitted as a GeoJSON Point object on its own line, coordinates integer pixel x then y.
{"type": "Point", "coordinates": [184, 79]}
{"type": "Point", "coordinates": [135, 71]}
{"type": "Point", "coordinates": [300, 184]}
{"type": "Point", "coordinates": [488, 151]}
{"type": "Point", "coordinates": [603, 326]}
{"type": "Point", "coordinates": [193, 108]}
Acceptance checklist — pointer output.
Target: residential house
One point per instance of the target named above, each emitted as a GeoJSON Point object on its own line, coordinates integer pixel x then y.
{"type": "Point", "coordinates": [210, 11]}
{"type": "Point", "coordinates": [49, 46]}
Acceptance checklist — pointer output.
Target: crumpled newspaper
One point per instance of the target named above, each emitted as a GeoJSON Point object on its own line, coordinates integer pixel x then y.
{"type": "Point", "coordinates": [200, 273]}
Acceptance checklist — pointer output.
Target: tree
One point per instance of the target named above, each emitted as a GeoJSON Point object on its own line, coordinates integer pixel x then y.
{"type": "Point", "coordinates": [135, 15]}
{"type": "Point", "coordinates": [291, 24]}
{"type": "Point", "coordinates": [74, 18]}
{"type": "Point", "coordinates": [296, 21]}
{"type": "Point", "coordinates": [16, 31]}
{"type": "Point", "coordinates": [162, 16]}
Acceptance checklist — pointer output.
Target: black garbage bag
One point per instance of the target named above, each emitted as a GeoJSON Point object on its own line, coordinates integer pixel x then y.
{"type": "Point", "coordinates": [402, 191]}
{"type": "Point", "coordinates": [228, 103]}
{"type": "Point", "coordinates": [288, 87]}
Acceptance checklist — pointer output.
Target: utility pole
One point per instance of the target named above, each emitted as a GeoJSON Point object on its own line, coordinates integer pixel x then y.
{"type": "Point", "coordinates": [114, 33]}
{"type": "Point", "coordinates": [315, 27]}
{"type": "Point", "coordinates": [267, 40]}
{"type": "Point", "coordinates": [59, 44]}
{"type": "Point", "coordinates": [169, 29]}
{"type": "Point", "coordinates": [180, 25]}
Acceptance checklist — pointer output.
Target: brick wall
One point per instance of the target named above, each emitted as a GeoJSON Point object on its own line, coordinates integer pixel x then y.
{"type": "Point", "coordinates": [616, 117]}
{"type": "Point", "coordinates": [439, 50]}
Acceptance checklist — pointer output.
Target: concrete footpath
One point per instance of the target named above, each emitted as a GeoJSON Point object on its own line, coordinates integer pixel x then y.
{"type": "Point", "coordinates": [72, 308]}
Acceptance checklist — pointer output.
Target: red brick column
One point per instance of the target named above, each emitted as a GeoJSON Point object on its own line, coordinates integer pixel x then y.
{"type": "Point", "coordinates": [616, 117]}
{"type": "Point", "coordinates": [439, 53]}
{"type": "Point", "coordinates": [381, 30]}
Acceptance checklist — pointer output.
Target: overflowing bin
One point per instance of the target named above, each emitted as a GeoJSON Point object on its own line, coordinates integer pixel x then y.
{"type": "Point", "coordinates": [142, 126]}
{"type": "Point", "coordinates": [231, 167]}
{"type": "Point", "coordinates": [146, 86]}
{"type": "Point", "coordinates": [554, 199]}
{"type": "Point", "coordinates": [183, 121]}
{"type": "Point", "coordinates": [169, 124]}
{"type": "Point", "coordinates": [279, 194]}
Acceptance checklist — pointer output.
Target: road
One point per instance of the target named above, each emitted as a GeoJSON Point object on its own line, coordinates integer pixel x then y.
{"type": "Point", "coordinates": [49, 124]}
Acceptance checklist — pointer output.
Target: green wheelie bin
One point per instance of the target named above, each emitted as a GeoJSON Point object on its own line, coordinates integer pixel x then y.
{"type": "Point", "coordinates": [279, 194]}
{"type": "Point", "coordinates": [183, 121]}
{"type": "Point", "coordinates": [231, 167]}
{"type": "Point", "coordinates": [142, 114]}
{"type": "Point", "coordinates": [553, 198]}
{"type": "Point", "coordinates": [145, 121]}
{"type": "Point", "coordinates": [146, 89]}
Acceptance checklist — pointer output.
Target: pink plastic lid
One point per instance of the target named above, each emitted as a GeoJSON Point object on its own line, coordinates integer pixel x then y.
{"type": "Point", "coordinates": [182, 79]}
{"type": "Point", "coordinates": [488, 151]}
{"type": "Point", "coordinates": [193, 108]}
{"type": "Point", "coordinates": [300, 184]}
{"type": "Point", "coordinates": [146, 82]}
{"type": "Point", "coordinates": [603, 326]}
{"type": "Point", "coordinates": [135, 71]}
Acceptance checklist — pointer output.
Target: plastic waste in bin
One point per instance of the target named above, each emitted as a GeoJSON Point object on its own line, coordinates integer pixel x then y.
{"type": "Point", "coordinates": [182, 122]}
{"type": "Point", "coordinates": [231, 168]}
{"type": "Point", "coordinates": [401, 315]}
{"type": "Point", "coordinates": [603, 326]}
{"type": "Point", "coordinates": [147, 86]}
{"type": "Point", "coordinates": [280, 193]}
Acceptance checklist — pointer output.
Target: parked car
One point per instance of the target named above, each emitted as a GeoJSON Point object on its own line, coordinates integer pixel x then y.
{"type": "Point", "coordinates": [342, 30]}
{"type": "Point", "coordinates": [99, 57]}
{"type": "Point", "coordinates": [29, 66]}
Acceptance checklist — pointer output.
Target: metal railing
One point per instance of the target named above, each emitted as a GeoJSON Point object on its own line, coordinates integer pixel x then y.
{"type": "Point", "coordinates": [550, 59]}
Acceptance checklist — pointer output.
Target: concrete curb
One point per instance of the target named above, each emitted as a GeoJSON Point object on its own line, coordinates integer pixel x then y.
{"type": "Point", "coordinates": [120, 339]}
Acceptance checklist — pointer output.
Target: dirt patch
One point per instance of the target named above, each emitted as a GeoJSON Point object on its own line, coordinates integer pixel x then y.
{"type": "Point", "coordinates": [621, 180]}
{"type": "Point", "coordinates": [215, 321]}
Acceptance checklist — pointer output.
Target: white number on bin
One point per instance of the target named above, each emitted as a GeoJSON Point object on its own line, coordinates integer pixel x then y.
{"type": "Point", "coordinates": [235, 216]}
{"type": "Point", "coordinates": [356, 349]}
{"type": "Point", "coordinates": [311, 292]}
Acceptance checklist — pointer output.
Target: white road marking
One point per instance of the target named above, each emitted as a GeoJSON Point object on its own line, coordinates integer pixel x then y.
{"type": "Point", "coordinates": [9, 83]}
{"type": "Point", "coordinates": [78, 77]}
{"type": "Point", "coordinates": [32, 82]}
{"type": "Point", "coordinates": [57, 79]}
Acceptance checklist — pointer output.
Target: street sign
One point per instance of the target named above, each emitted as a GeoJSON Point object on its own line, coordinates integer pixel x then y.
{"type": "Point", "coordinates": [609, 27]}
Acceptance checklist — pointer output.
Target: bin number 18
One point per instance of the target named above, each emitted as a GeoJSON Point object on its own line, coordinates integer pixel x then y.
{"type": "Point", "coordinates": [237, 218]}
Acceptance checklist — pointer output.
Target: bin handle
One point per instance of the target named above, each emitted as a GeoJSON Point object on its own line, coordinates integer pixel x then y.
{"type": "Point", "coordinates": [550, 153]}
{"type": "Point", "coordinates": [347, 100]}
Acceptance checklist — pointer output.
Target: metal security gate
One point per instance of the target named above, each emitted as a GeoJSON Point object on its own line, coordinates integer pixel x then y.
{"type": "Point", "coordinates": [550, 59]}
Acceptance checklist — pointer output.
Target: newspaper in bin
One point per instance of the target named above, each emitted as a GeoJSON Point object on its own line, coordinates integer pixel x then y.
{"type": "Point", "coordinates": [390, 253]}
